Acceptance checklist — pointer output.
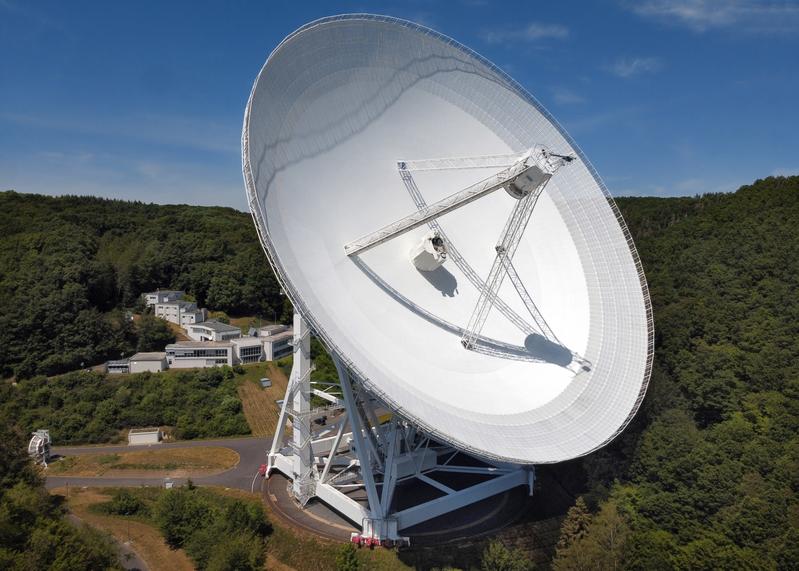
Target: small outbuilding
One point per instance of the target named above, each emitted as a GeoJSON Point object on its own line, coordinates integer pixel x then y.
{"type": "Point", "coordinates": [142, 436]}
{"type": "Point", "coordinates": [118, 366]}
{"type": "Point", "coordinates": [147, 362]}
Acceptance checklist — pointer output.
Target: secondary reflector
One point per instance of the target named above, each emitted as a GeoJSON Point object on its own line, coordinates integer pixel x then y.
{"type": "Point", "coordinates": [357, 122]}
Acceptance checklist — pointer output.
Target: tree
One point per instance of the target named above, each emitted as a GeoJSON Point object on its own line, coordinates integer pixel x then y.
{"type": "Point", "coordinates": [575, 525]}
{"type": "Point", "coordinates": [602, 547]}
{"type": "Point", "coordinates": [347, 558]}
{"type": "Point", "coordinates": [153, 333]}
{"type": "Point", "coordinates": [497, 557]}
{"type": "Point", "coordinates": [179, 514]}
{"type": "Point", "coordinates": [243, 552]}
{"type": "Point", "coordinates": [125, 503]}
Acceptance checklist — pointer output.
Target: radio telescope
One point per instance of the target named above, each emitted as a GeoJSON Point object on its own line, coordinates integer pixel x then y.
{"type": "Point", "coordinates": [458, 256]}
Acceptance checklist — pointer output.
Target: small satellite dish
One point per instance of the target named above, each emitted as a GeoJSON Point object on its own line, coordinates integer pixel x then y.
{"type": "Point", "coordinates": [513, 325]}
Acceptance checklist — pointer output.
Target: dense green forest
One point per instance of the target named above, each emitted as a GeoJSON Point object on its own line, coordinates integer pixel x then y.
{"type": "Point", "coordinates": [85, 407]}
{"type": "Point", "coordinates": [70, 265]}
{"type": "Point", "coordinates": [706, 476]}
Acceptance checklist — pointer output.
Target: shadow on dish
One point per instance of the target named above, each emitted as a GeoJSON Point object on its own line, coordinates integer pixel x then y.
{"type": "Point", "coordinates": [443, 280]}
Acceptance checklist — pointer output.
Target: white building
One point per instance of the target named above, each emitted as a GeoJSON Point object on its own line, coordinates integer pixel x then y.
{"type": "Point", "coordinates": [276, 340]}
{"type": "Point", "coordinates": [162, 296]}
{"type": "Point", "coordinates": [152, 362]}
{"type": "Point", "coordinates": [118, 366]}
{"type": "Point", "coordinates": [194, 354]}
{"type": "Point", "coordinates": [139, 436]}
{"type": "Point", "coordinates": [183, 313]}
{"type": "Point", "coordinates": [248, 349]}
{"type": "Point", "coordinates": [213, 330]}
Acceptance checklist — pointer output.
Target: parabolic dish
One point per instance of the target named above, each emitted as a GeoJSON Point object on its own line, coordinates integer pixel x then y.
{"type": "Point", "coordinates": [338, 103]}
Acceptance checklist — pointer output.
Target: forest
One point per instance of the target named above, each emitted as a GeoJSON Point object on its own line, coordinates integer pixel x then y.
{"type": "Point", "coordinates": [87, 407]}
{"type": "Point", "coordinates": [705, 477]}
{"type": "Point", "coordinates": [71, 266]}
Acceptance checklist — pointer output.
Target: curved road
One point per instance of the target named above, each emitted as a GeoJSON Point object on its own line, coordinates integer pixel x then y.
{"type": "Point", "coordinates": [252, 453]}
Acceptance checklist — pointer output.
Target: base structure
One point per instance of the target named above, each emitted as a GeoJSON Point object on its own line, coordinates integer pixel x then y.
{"type": "Point", "coordinates": [368, 463]}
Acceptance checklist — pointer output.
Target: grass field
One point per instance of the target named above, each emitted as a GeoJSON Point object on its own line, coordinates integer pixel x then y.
{"type": "Point", "coordinates": [145, 539]}
{"type": "Point", "coordinates": [259, 405]}
{"type": "Point", "coordinates": [180, 335]}
{"type": "Point", "coordinates": [173, 462]}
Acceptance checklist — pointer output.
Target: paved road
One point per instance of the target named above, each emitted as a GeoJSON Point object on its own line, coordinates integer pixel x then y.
{"type": "Point", "coordinates": [252, 453]}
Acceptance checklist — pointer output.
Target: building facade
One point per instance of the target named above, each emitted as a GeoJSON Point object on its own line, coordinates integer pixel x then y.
{"type": "Point", "coordinates": [213, 330]}
{"type": "Point", "coordinates": [248, 350]}
{"type": "Point", "coordinates": [276, 340]}
{"type": "Point", "coordinates": [182, 313]}
{"type": "Point", "coordinates": [162, 296]}
{"type": "Point", "coordinates": [148, 362]}
{"type": "Point", "coordinates": [118, 366]}
{"type": "Point", "coordinates": [143, 436]}
{"type": "Point", "coordinates": [198, 354]}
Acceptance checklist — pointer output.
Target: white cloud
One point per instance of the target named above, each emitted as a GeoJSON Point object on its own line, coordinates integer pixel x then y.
{"type": "Point", "coordinates": [629, 67]}
{"type": "Point", "coordinates": [610, 117]}
{"type": "Point", "coordinates": [532, 32]}
{"type": "Point", "coordinates": [187, 132]}
{"type": "Point", "coordinates": [565, 96]}
{"type": "Point", "coordinates": [753, 16]}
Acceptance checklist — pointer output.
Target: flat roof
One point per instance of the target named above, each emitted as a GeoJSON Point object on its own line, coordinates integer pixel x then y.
{"type": "Point", "coordinates": [153, 356]}
{"type": "Point", "coordinates": [278, 336]}
{"type": "Point", "coordinates": [199, 344]}
{"type": "Point", "coordinates": [179, 303]}
{"type": "Point", "coordinates": [248, 341]}
{"type": "Point", "coordinates": [217, 326]}
{"type": "Point", "coordinates": [273, 328]}
{"type": "Point", "coordinates": [144, 430]}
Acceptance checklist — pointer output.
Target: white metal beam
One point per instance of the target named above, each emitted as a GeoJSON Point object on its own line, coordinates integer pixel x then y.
{"type": "Point", "coordinates": [436, 484]}
{"type": "Point", "coordinates": [448, 204]}
{"type": "Point", "coordinates": [357, 433]}
{"type": "Point", "coordinates": [478, 162]}
{"type": "Point", "coordinates": [333, 451]}
{"type": "Point", "coordinates": [434, 508]}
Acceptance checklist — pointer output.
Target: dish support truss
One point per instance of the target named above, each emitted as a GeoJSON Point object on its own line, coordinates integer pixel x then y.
{"type": "Point", "coordinates": [353, 453]}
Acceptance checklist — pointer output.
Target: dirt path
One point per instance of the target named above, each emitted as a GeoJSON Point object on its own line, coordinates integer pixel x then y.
{"type": "Point", "coordinates": [145, 540]}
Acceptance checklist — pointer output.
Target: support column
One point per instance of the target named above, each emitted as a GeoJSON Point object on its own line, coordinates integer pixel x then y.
{"type": "Point", "coordinates": [303, 480]}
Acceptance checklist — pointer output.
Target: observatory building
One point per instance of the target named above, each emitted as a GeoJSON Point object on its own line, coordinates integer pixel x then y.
{"type": "Point", "coordinates": [458, 256]}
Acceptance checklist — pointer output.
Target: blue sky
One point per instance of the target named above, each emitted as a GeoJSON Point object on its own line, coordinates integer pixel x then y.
{"type": "Point", "coordinates": [144, 100]}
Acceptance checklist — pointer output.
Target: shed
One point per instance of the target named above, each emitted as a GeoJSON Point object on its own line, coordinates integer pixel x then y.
{"type": "Point", "coordinates": [140, 436]}
{"type": "Point", "coordinates": [152, 362]}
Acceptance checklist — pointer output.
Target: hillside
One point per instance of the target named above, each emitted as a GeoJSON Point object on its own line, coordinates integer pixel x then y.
{"type": "Point", "coordinates": [706, 476]}
{"type": "Point", "coordinates": [68, 265]}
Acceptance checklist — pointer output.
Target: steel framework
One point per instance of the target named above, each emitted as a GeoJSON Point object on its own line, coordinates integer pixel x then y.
{"type": "Point", "coordinates": [535, 168]}
{"type": "Point", "coordinates": [357, 456]}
